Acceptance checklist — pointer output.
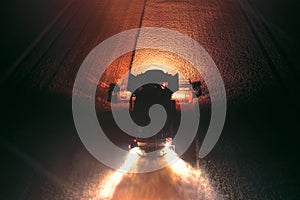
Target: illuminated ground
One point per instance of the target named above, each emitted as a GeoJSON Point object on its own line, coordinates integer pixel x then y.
{"type": "Point", "coordinates": [177, 181]}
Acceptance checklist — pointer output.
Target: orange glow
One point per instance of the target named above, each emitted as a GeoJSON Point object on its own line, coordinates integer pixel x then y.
{"type": "Point", "coordinates": [177, 181]}
{"type": "Point", "coordinates": [124, 95]}
{"type": "Point", "coordinates": [174, 63]}
{"type": "Point", "coordinates": [183, 96]}
{"type": "Point", "coordinates": [189, 175]}
{"type": "Point", "coordinates": [108, 187]}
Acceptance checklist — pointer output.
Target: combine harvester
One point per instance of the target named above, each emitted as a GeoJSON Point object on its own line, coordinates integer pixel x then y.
{"type": "Point", "coordinates": [167, 90]}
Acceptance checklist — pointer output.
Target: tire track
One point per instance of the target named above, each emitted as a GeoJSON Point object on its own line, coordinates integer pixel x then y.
{"type": "Point", "coordinates": [37, 75]}
{"type": "Point", "coordinates": [283, 77]}
{"type": "Point", "coordinates": [138, 34]}
{"type": "Point", "coordinates": [279, 47]}
{"type": "Point", "coordinates": [60, 65]}
{"type": "Point", "coordinates": [30, 64]}
{"type": "Point", "coordinates": [105, 24]}
{"type": "Point", "coordinates": [38, 39]}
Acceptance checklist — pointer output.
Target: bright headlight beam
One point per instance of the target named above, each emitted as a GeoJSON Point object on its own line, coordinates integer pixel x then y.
{"type": "Point", "coordinates": [112, 181]}
{"type": "Point", "coordinates": [179, 175]}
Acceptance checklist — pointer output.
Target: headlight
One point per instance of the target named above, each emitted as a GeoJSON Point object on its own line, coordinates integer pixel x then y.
{"type": "Point", "coordinates": [124, 95]}
{"type": "Point", "coordinates": [183, 96]}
